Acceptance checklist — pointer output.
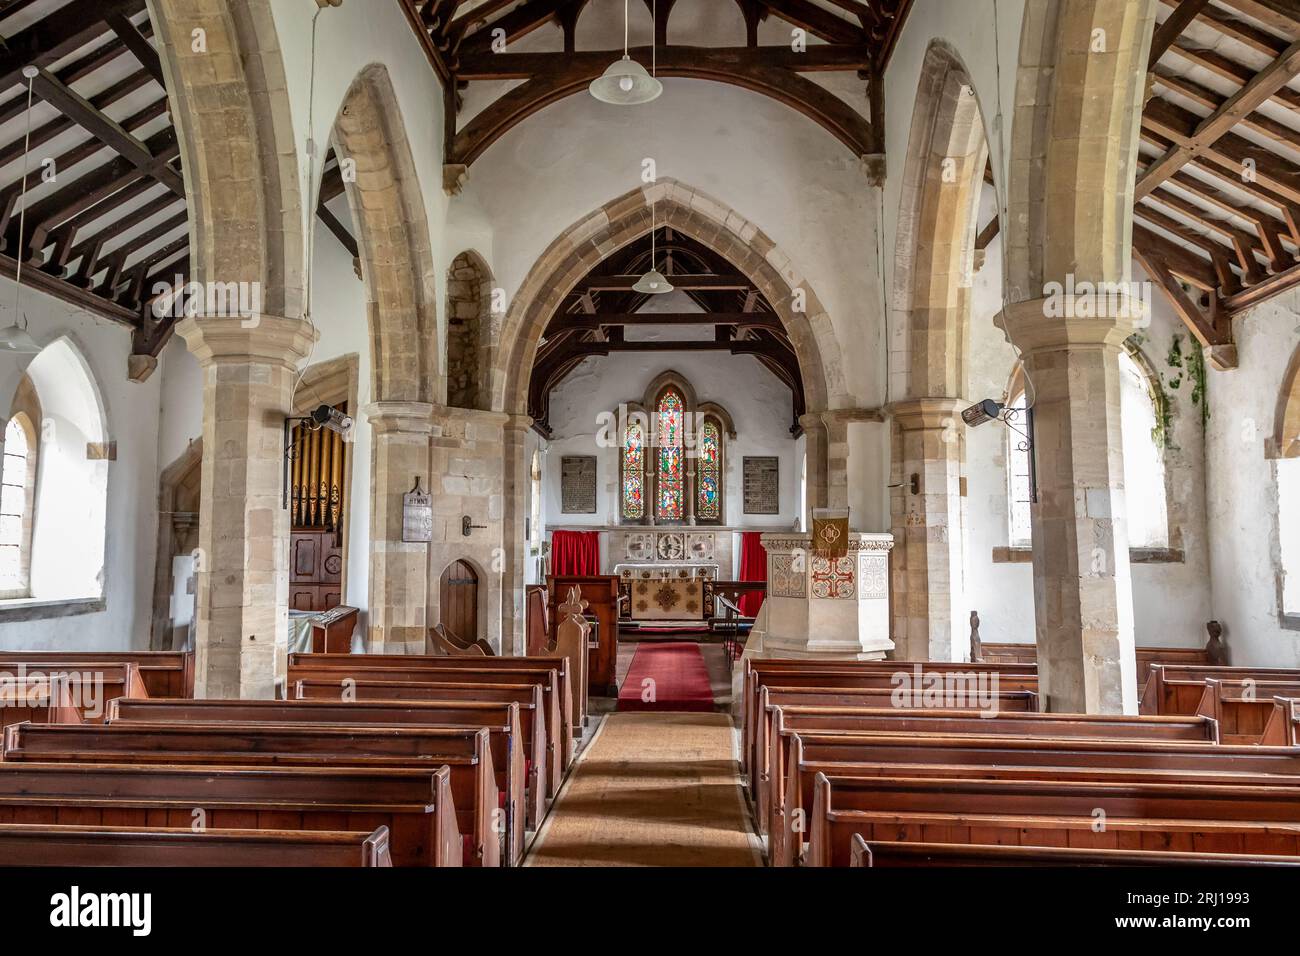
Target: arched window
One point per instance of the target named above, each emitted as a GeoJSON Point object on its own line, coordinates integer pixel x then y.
{"type": "Point", "coordinates": [672, 463]}
{"type": "Point", "coordinates": [708, 473]}
{"type": "Point", "coordinates": [1144, 463]}
{"type": "Point", "coordinates": [670, 473]}
{"type": "Point", "coordinates": [17, 495]}
{"type": "Point", "coordinates": [1288, 522]}
{"type": "Point", "coordinates": [1144, 469]}
{"type": "Point", "coordinates": [634, 472]}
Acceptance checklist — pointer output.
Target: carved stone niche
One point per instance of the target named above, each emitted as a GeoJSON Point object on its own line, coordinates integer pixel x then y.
{"type": "Point", "coordinates": [831, 607]}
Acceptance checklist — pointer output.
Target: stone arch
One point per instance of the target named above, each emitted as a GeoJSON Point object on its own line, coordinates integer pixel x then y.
{"type": "Point", "coordinates": [229, 103]}
{"type": "Point", "coordinates": [393, 237]}
{"type": "Point", "coordinates": [942, 179]}
{"type": "Point", "coordinates": [1286, 428]}
{"type": "Point", "coordinates": [1080, 83]}
{"type": "Point", "coordinates": [471, 331]}
{"type": "Point", "coordinates": [695, 214]}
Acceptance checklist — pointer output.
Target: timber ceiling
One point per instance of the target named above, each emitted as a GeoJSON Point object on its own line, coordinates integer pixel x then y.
{"type": "Point", "coordinates": [604, 315]}
{"type": "Point", "coordinates": [845, 36]}
{"type": "Point", "coordinates": [105, 219]}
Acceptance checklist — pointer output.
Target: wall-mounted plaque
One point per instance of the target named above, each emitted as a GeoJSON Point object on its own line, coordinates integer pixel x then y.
{"type": "Point", "coordinates": [417, 515]}
{"type": "Point", "coordinates": [762, 485]}
{"type": "Point", "coordinates": [578, 484]}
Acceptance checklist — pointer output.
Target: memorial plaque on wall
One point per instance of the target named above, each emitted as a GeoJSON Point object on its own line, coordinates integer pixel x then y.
{"type": "Point", "coordinates": [417, 515]}
{"type": "Point", "coordinates": [578, 484]}
{"type": "Point", "coordinates": [762, 485]}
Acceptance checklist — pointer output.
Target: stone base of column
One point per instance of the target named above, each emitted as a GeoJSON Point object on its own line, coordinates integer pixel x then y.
{"type": "Point", "coordinates": [826, 608]}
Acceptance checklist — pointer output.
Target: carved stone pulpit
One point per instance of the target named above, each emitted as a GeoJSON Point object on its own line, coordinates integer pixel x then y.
{"type": "Point", "coordinates": [825, 606]}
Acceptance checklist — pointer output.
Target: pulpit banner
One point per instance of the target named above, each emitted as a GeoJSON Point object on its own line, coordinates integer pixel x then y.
{"type": "Point", "coordinates": [830, 533]}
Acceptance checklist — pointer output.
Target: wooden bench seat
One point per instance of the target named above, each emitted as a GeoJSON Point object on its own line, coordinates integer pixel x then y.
{"type": "Point", "coordinates": [553, 680]}
{"type": "Point", "coordinates": [415, 805]}
{"type": "Point", "coordinates": [541, 665]}
{"type": "Point", "coordinates": [553, 726]}
{"type": "Point", "coordinates": [1128, 815]}
{"type": "Point", "coordinates": [163, 673]}
{"type": "Point", "coordinates": [528, 717]}
{"type": "Point", "coordinates": [521, 723]}
{"type": "Point", "coordinates": [890, 853]}
{"type": "Point", "coordinates": [91, 685]}
{"type": "Point", "coordinates": [1283, 727]}
{"type": "Point", "coordinates": [23, 844]}
{"type": "Point", "coordinates": [466, 753]}
{"type": "Point", "coordinates": [757, 732]}
{"type": "Point", "coordinates": [1011, 758]}
{"type": "Point", "coordinates": [1174, 689]}
{"type": "Point", "coordinates": [1146, 656]}
{"type": "Point", "coordinates": [37, 699]}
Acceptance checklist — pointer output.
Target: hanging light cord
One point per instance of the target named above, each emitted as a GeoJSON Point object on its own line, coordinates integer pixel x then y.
{"type": "Point", "coordinates": [22, 213]}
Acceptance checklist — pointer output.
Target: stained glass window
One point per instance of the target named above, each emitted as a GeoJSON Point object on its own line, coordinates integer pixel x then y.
{"type": "Point", "coordinates": [634, 472]}
{"type": "Point", "coordinates": [708, 500]}
{"type": "Point", "coordinates": [671, 483]}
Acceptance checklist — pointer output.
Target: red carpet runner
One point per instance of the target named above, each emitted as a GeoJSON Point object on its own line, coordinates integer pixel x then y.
{"type": "Point", "coordinates": [680, 679]}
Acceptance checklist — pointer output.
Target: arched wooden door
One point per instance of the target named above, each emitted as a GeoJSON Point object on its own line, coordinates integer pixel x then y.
{"type": "Point", "coordinates": [458, 600]}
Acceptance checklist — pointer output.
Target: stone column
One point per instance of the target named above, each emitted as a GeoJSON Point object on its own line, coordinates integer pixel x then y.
{"type": "Point", "coordinates": [1083, 605]}
{"type": "Point", "coordinates": [928, 579]}
{"type": "Point", "coordinates": [815, 447]}
{"type": "Point", "coordinates": [242, 572]}
{"type": "Point", "coordinates": [514, 511]}
{"type": "Point", "coordinates": [398, 569]}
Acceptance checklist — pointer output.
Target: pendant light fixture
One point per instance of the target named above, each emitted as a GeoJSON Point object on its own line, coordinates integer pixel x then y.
{"type": "Point", "coordinates": [15, 338]}
{"type": "Point", "coordinates": [653, 282]}
{"type": "Point", "coordinates": [625, 82]}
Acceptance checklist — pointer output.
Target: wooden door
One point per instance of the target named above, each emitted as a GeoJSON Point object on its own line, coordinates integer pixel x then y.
{"type": "Point", "coordinates": [458, 600]}
{"type": "Point", "coordinates": [315, 571]}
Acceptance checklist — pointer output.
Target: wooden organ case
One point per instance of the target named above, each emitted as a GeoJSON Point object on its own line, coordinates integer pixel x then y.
{"type": "Point", "coordinates": [317, 509]}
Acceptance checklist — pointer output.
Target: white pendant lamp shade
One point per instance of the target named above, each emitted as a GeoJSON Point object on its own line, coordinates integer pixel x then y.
{"type": "Point", "coordinates": [625, 83]}
{"type": "Point", "coordinates": [653, 283]}
{"type": "Point", "coordinates": [17, 339]}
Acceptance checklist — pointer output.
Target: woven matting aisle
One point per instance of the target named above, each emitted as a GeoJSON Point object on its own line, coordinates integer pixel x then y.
{"type": "Point", "coordinates": [652, 789]}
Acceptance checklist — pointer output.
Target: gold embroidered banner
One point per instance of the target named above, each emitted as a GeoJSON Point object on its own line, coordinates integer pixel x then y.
{"type": "Point", "coordinates": [831, 536]}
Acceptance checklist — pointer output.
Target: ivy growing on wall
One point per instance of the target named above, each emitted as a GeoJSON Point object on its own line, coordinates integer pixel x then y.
{"type": "Point", "coordinates": [1189, 366]}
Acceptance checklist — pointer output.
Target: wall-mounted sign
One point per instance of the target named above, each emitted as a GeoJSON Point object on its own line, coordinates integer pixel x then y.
{"type": "Point", "coordinates": [417, 515]}
{"type": "Point", "coordinates": [762, 485]}
{"type": "Point", "coordinates": [578, 484]}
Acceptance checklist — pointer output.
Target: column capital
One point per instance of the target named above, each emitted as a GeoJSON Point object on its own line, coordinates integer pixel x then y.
{"type": "Point", "coordinates": [1076, 316]}
{"type": "Point", "coordinates": [518, 423]}
{"type": "Point", "coordinates": [253, 340]}
{"type": "Point", "coordinates": [918, 413]}
{"type": "Point", "coordinates": [408, 418]}
{"type": "Point", "coordinates": [847, 415]}
{"type": "Point", "coordinates": [478, 416]}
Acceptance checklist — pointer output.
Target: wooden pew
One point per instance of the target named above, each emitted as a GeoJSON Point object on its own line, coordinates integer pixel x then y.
{"type": "Point", "coordinates": [415, 805]}
{"type": "Point", "coordinates": [1011, 758]}
{"type": "Point", "coordinates": [90, 684]}
{"type": "Point", "coordinates": [1283, 727]}
{"type": "Point", "coordinates": [524, 724]}
{"type": "Point", "coordinates": [24, 844]}
{"type": "Point", "coordinates": [37, 699]}
{"type": "Point", "coordinates": [551, 672]}
{"type": "Point", "coordinates": [1146, 656]}
{"type": "Point", "coordinates": [1245, 710]}
{"type": "Point", "coordinates": [419, 691]}
{"type": "Point", "coordinates": [1179, 689]}
{"type": "Point", "coordinates": [467, 753]}
{"type": "Point", "coordinates": [1196, 817]}
{"type": "Point", "coordinates": [892, 853]}
{"type": "Point", "coordinates": [758, 731]}
{"type": "Point", "coordinates": [163, 673]}
{"type": "Point", "coordinates": [880, 675]}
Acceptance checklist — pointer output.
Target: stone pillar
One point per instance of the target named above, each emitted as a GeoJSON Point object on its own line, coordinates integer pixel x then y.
{"type": "Point", "coordinates": [926, 505]}
{"type": "Point", "coordinates": [815, 447]}
{"type": "Point", "coordinates": [398, 569]}
{"type": "Point", "coordinates": [1083, 605]}
{"type": "Point", "coordinates": [823, 607]}
{"type": "Point", "coordinates": [466, 480]}
{"type": "Point", "coordinates": [242, 572]}
{"type": "Point", "coordinates": [515, 510]}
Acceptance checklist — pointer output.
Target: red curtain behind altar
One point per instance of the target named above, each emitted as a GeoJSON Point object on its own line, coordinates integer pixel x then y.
{"type": "Point", "coordinates": [575, 552]}
{"type": "Point", "coordinates": [753, 567]}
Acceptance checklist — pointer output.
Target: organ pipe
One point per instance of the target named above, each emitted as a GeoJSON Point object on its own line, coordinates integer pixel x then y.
{"type": "Point", "coordinates": [316, 479]}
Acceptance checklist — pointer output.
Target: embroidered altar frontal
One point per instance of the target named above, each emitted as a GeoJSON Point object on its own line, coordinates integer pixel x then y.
{"type": "Point", "coordinates": [667, 600]}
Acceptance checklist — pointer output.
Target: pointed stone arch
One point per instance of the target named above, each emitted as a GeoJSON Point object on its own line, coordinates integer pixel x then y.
{"type": "Point", "coordinates": [473, 331]}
